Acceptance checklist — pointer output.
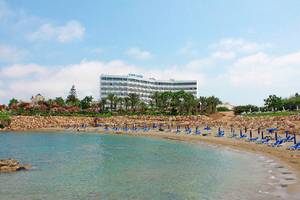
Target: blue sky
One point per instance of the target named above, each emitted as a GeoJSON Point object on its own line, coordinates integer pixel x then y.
{"type": "Point", "coordinates": [240, 51]}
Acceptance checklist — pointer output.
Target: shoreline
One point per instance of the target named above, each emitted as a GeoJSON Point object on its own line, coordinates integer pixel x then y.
{"type": "Point", "coordinates": [289, 159]}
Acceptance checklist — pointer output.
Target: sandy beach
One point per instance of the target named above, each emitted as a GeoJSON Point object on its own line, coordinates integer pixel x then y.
{"type": "Point", "coordinates": [283, 158]}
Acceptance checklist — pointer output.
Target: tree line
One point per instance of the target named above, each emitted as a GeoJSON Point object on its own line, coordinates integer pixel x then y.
{"type": "Point", "coordinates": [168, 103]}
{"type": "Point", "coordinates": [272, 103]}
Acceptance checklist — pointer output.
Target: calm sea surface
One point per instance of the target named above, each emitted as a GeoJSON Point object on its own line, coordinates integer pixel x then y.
{"type": "Point", "coordinates": [93, 166]}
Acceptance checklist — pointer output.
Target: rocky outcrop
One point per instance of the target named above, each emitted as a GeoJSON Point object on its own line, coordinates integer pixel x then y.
{"type": "Point", "coordinates": [12, 165]}
{"type": "Point", "coordinates": [19, 123]}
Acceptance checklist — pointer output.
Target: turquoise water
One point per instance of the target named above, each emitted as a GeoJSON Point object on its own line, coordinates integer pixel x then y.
{"type": "Point", "coordinates": [92, 166]}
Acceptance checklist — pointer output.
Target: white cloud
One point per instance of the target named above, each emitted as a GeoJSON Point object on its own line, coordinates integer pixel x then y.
{"type": "Point", "coordinates": [138, 53]}
{"type": "Point", "coordinates": [11, 54]}
{"type": "Point", "coordinates": [239, 45]}
{"type": "Point", "coordinates": [265, 72]}
{"type": "Point", "coordinates": [22, 71]}
{"type": "Point", "coordinates": [45, 32]}
{"type": "Point", "coordinates": [223, 55]}
{"type": "Point", "coordinates": [72, 30]}
{"type": "Point", "coordinates": [85, 76]}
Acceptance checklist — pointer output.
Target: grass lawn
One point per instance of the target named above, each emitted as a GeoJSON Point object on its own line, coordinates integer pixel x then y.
{"type": "Point", "coordinates": [271, 114]}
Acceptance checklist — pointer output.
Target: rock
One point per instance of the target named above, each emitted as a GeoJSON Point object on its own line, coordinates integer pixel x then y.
{"type": "Point", "coordinates": [12, 165]}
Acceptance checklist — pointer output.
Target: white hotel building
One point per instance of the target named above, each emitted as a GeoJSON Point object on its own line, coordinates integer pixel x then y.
{"type": "Point", "coordinates": [122, 85]}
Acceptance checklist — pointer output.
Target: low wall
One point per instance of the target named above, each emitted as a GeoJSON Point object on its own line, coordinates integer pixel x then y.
{"type": "Point", "coordinates": [37, 122]}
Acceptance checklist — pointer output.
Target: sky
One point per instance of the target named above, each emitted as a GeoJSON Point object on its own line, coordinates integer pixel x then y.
{"type": "Point", "coordinates": [239, 51]}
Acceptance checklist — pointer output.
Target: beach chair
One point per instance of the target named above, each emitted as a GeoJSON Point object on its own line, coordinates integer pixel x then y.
{"type": "Point", "coordinates": [233, 135]}
{"type": "Point", "coordinates": [197, 132]}
{"type": "Point", "coordinates": [294, 147]}
{"type": "Point", "coordinates": [277, 143]}
{"type": "Point", "coordinates": [220, 134]}
{"type": "Point", "coordinates": [146, 129]}
{"type": "Point", "coordinates": [252, 139]}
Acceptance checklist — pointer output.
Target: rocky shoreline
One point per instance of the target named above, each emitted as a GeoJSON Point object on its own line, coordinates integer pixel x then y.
{"type": "Point", "coordinates": [12, 165]}
{"type": "Point", "coordinates": [23, 123]}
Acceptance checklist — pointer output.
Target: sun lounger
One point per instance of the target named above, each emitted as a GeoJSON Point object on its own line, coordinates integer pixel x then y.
{"type": "Point", "coordinates": [220, 134]}
{"type": "Point", "coordinates": [188, 131]}
{"type": "Point", "coordinates": [294, 147]}
{"type": "Point", "coordinates": [234, 135]}
{"type": "Point", "coordinates": [242, 136]}
{"type": "Point", "coordinates": [252, 139]}
{"type": "Point", "coordinates": [277, 143]}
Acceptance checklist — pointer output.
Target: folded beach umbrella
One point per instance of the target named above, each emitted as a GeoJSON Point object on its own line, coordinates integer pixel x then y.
{"type": "Point", "coordinates": [207, 128]}
{"type": "Point", "coordinates": [272, 130]}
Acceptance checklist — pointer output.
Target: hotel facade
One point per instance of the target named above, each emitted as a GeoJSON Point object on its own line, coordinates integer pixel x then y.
{"type": "Point", "coordinates": [122, 85]}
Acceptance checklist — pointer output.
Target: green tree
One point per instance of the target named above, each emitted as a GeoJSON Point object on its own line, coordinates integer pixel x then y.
{"type": "Point", "coordinates": [212, 103]}
{"type": "Point", "coordinates": [126, 103]}
{"type": "Point", "coordinates": [111, 98]}
{"type": "Point", "coordinates": [72, 99]}
{"type": "Point", "coordinates": [60, 101]}
{"type": "Point", "coordinates": [274, 102]}
{"type": "Point", "coordinates": [120, 103]}
{"type": "Point", "coordinates": [155, 99]}
{"type": "Point", "coordinates": [134, 100]}
{"type": "Point", "coordinates": [142, 106]}
{"type": "Point", "coordinates": [86, 102]}
{"type": "Point", "coordinates": [202, 104]}
{"type": "Point", "coordinates": [103, 103]}
{"type": "Point", "coordinates": [13, 101]}
{"type": "Point", "coordinates": [244, 109]}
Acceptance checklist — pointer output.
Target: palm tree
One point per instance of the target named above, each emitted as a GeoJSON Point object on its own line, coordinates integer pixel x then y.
{"type": "Point", "coordinates": [126, 103]}
{"type": "Point", "coordinates": [120, 101]}
{"type": "Point", "coordinates": [189, 102]}
{"type": "Point", "coordinates": [103, 103]}
{"type": "Point", "coordinates": [155, 99]}
{"type": "Point", "coordinates": [203, 104]}
{"type": "Point", "coordinates": [142, 106]}
{"type": "Point", "coordinates": [111, 98]}
{"type": "Point", "coordinates": [212, 103]}
{"type": "Point", "coordinates": [134, 100]}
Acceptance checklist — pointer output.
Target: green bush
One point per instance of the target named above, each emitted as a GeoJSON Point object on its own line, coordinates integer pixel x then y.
{"type": "Point", "coordinates": [4, 119]}
{"type": "Point", "coordinates": [244, 109]}
{"type": "Point", "coordinates": [222, 109]}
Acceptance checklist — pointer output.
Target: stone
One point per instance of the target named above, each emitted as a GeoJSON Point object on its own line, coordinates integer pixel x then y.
{"type": "Point", "coordinates": [12, 165]}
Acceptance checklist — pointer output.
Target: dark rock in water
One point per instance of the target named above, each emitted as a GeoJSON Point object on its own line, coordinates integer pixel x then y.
{"type": "Point", "coordinates": [12, 165]}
